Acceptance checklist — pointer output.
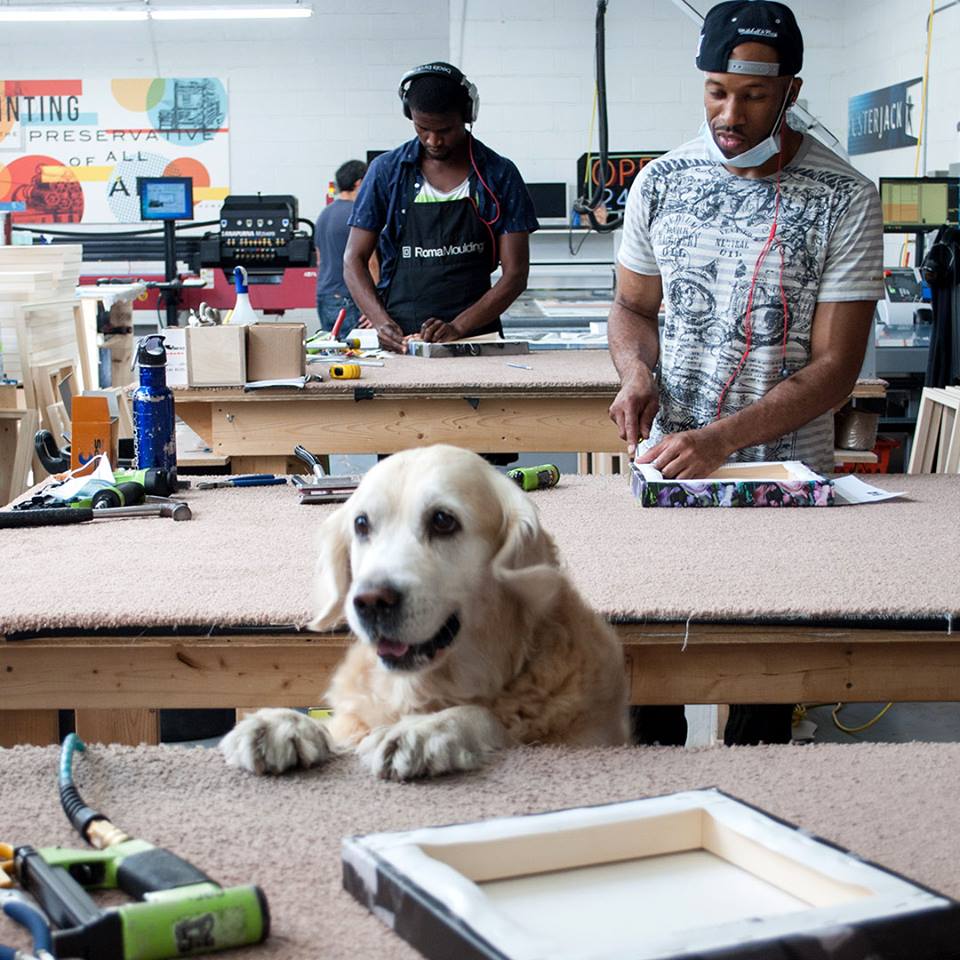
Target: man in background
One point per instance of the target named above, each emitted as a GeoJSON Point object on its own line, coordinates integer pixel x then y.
{"type": "Point", "coordinates": [330, 236]}
{"type": "Point", "coordinates": [443, 211]}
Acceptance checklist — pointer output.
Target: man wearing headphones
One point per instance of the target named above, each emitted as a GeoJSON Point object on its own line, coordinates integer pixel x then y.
{"type": "Point", "coordinates": [766, 250]}
{"type": "Point", "coordinates": [442, 210]}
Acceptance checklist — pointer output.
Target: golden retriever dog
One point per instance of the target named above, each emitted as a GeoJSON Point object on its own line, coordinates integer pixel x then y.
{"type": "Point", "coordinates": [469, 636]}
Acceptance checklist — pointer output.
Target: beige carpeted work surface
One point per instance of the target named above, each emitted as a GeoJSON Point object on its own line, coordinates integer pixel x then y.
{"type": "Point", "coordinates": [893, 804]}
{"type": "Point", "coordinates": [247, 558]}
{"type": "Point", "coordinates": [582, 370]}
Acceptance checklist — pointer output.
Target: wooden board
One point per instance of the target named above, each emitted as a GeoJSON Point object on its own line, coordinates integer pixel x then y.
{"type": "Point", "coordinates": [390, 424]}
{"type": "Point", "coordinates": [721, 664]}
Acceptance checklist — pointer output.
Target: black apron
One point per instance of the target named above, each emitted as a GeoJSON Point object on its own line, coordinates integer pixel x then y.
{"type": "Point", "coordinates": [445, 257]}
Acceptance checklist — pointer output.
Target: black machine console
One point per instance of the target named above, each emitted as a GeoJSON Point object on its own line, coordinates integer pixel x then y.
{"type": "Point", "coordinates": [259, 233]}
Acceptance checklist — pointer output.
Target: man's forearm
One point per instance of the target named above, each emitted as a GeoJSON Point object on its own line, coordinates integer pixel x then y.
{"type": "Point", "coordinates": [634, 340]}
{"type": "Point", "coordinates": [363, 292]}
{"type": "Point", "coordinates": [790, 405]}
{"type": "Point", "coordinates": [491, 305]}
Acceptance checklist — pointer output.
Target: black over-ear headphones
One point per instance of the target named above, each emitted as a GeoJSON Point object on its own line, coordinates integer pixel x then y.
{"type": "Point", "coordinates": [472, 98]}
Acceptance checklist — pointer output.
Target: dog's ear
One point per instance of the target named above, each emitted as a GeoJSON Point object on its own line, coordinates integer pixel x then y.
{"type": "Point", "coordinates": [332, 580]}
{"type": "Point", "coordinates": [526, 562]}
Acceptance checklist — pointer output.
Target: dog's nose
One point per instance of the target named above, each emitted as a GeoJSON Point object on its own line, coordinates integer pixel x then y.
{"type": "Point", "coordinates": [378, 603]}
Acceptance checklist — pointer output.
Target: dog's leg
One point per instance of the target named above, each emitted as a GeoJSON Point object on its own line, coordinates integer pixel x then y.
{"type": "Point", "coordinates": [276, 739]}
{"type": "Point", "coordinates": [427, 745]}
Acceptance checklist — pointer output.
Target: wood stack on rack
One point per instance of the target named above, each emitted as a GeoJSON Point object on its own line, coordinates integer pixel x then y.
{"type": "Point", "coordinates": [936, 440]}
{"type": "Point", "coordinates": [40, 327]}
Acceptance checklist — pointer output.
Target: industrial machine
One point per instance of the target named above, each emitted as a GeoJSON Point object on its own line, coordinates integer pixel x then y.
{"type": "Point", "coordinates": [904, 322]}
{"type": "Point", "coordinates": [259, 233]}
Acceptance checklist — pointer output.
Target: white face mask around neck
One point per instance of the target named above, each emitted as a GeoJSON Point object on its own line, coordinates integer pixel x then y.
{"type": "Point", "coordinates": [754, 157]}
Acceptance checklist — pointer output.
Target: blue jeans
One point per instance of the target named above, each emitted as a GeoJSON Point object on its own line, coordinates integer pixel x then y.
{"type": "Point", "coordinates": [329, 306]}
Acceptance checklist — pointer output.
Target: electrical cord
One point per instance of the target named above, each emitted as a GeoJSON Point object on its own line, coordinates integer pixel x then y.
{"type": "Point", "coordinates": [800, 713]}
{"type": "Point", "coordinates": [586, 177]}
{"type": "Point", "coordinates": [835, 713]}
{"type": "Point", "coordinates": [584, 205]}
{"type": "Point", "coordinates": [921, 134]}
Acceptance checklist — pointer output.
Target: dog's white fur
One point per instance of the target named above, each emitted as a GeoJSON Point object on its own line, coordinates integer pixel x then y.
{"type": "Point", "coordinates": [531, 663]}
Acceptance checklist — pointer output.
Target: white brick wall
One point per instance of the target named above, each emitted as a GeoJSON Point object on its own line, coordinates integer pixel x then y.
{"type": "Point", "coordinates": [306, 95]}
{"type": "Point", "coordinates": [532, 61]}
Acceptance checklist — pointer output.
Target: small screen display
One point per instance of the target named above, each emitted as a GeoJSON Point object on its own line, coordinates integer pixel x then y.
{"type": "Point", "coordinates": [165, 198]}
{"type": "Point", "coordinates": [914, 204]}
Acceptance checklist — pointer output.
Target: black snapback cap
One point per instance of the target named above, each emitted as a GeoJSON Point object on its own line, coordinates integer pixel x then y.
{"type": "Point", "coordinates": [727, 25]}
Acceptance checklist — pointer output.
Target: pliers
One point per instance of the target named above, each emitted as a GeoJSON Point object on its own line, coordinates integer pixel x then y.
{"type": "Point", "coordinates": [30, 917]}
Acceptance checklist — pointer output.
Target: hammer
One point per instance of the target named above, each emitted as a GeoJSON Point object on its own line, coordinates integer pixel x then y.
{"type": "Point", "coordinates": [57, 516]}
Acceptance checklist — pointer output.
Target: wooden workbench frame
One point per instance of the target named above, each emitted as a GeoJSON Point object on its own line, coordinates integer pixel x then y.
{"type": "Point", "coordinates": [269, 427]}
{"type": "Point", "coordinates": [117, 684]}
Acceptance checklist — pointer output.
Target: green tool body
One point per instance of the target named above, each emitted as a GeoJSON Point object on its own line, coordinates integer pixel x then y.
{"type": "Point", "coordinates": [179, 911]}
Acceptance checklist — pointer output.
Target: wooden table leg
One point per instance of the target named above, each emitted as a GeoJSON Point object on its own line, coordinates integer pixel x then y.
{"type": "Point", "coordinates": [119, 726]}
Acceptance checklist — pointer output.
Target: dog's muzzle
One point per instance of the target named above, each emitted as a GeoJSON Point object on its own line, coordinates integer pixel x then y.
{"type": "Point", "coordinates": [412, 656]}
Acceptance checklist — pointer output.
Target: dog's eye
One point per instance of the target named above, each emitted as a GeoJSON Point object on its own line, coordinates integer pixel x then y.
{"type": "Point", "coordinates": [443, 524]}
{"type": "Point", "coordinates": [361, 525]}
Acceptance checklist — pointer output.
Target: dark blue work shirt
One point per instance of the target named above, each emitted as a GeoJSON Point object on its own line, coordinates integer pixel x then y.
{"type": "Point", "coordinates": [381, 208]}
{"type": "Point", "coordinates": [330, 237]}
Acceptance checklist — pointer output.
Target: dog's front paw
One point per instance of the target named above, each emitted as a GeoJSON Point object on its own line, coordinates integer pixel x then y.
{"type": "Point", "coordinates": [426, 746]}
{"type": "Point", "coordinates": [274, 740]}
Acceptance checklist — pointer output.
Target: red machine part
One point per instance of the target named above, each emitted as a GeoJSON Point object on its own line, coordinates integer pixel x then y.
{"type": "Point", "coordinates": [297, 289]}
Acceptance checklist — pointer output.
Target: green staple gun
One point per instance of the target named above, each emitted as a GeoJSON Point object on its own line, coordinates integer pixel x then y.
{"type": "Point", "coordinates": [180, 911]}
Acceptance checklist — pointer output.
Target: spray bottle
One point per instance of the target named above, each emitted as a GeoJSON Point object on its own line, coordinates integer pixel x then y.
{"type": "Point", "coordinates": [242, 314]}
{"type": "Point", "coordinates": [154, 437]}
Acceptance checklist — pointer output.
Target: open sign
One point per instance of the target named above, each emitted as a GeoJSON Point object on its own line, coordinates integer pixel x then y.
{"type": "Point", "coordinates": [622, 169]}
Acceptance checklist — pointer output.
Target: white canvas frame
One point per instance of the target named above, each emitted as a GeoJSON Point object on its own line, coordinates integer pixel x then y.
{"type": "Point", "coordinates": [449, 866]}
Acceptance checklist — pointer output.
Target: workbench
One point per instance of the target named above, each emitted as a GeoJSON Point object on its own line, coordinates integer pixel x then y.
{"type": "Point", "coordinates": [116, 619]}
{"type": "Point", "coordinates": [560, 404]}
{"type": "Point", "coordinates": [487, 404]}
{"type": "Point", "coordinates": [894, 804]}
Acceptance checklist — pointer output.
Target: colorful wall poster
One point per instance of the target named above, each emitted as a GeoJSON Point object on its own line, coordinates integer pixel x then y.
{"type": "Point", "coordinates": [72, 150]}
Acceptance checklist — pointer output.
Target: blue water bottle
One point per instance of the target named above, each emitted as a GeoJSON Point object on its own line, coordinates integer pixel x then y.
{"type": "Point", "coordinates": [154, 436]}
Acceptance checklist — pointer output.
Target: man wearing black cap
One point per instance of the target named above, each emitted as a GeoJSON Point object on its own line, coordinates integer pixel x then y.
{"type": "Point", "coordinates": [766, 250]}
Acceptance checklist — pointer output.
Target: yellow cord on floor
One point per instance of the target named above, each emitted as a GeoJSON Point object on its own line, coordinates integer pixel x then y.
{"type": "Point", "coordinates": [863, 726]}
{"type": "Point", "coordinates": [800, 712]}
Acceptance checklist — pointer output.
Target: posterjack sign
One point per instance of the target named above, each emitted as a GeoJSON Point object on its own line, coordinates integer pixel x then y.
{"type": "Point", "coordinates": [885, 119]}
{"type": "Point", "coordinates": [71, 150]}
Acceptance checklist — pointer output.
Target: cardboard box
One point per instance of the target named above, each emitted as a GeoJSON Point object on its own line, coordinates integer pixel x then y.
{"type": "Point", "coordinates": [689, 876]}
{"type": "Point", "coordinates": [777, 484]}
{"type": "Point", "coordinates": [175, 343]}
{"type": "Point", "coordinates": [276, 351]}
{"type": "Point", "coordinates": [217, 356]}
{"type": "Point", "coordinates": [94, 430]}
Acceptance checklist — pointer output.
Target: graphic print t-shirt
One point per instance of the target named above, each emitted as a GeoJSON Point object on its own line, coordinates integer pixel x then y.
{"type": "Point", "coordinates": [702, 228]}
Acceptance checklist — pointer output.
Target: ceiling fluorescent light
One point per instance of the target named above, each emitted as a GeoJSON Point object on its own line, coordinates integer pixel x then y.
{"type": "Point", "coordinates": [230, 13]}
{"type": "Point", "coordinates": [64, 14]}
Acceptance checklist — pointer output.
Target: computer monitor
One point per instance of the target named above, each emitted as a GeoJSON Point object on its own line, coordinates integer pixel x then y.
{"type": "Point", "coordinates": [549, 200]}
{"type": "Point", "coordinates": [916, 204]}
{"type": "Point", "coordinates": [165, 198]}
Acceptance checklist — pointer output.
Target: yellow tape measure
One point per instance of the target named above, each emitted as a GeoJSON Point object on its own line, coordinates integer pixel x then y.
{"type": "Point", "coordinates": [345, 371]}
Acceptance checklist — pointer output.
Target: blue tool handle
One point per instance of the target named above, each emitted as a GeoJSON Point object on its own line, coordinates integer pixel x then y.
{"type": "Point", "coordinates": [267, 481]}
{"type": "Point", "coordinates": [33, 920]}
